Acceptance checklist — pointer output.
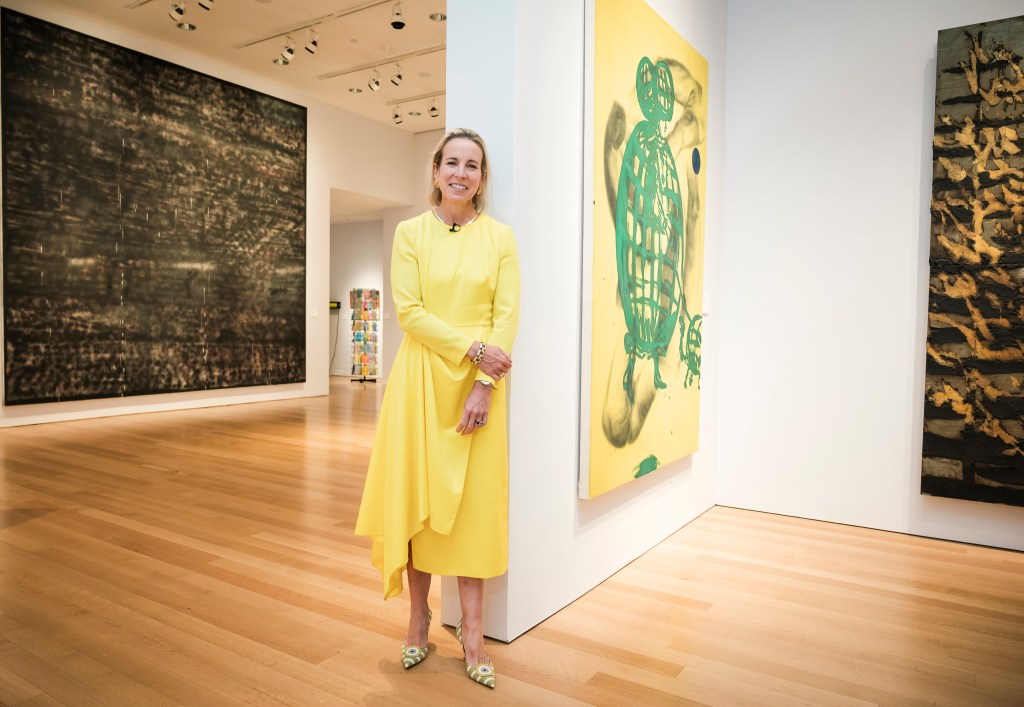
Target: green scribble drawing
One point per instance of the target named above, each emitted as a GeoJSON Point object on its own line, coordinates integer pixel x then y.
{"type": "Point", "coordinates": [689, 346]}
{"type": "Point", "coordinates": [645, 467]}
{"type": "Point", "coordinates": [649, 238]}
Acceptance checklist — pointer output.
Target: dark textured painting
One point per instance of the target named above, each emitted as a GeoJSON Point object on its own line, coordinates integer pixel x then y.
{"type": "Point", "coordinates": [153, 224]}
{"type": "Point", "coordinates": [974, 391]}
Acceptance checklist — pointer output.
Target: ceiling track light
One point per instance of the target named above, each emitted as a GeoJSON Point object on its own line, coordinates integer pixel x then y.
{"type": "Point", "coordinates": [432, 110]}
{"type": "Point", "coordinates": [312, 41]}
{"type": "Point", "coordinates": [374, 82]}
{"type": "Point", "coordinates": [177, 11]}
{"type": "Point", "coordinates": [396, 116]}
{"type": "Point", "coordinates": [396, 78]}
{"type": "Point", "coordinates": [288, 52]}
{"type": "Point", "coordinates": [207, 4]}
{"type": "Point", "coordinates": [396, 16]}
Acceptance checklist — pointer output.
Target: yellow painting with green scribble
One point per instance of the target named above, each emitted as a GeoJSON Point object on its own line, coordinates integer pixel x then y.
{"type": "Point", "coordinates": [974, 375]}
{"type": "Point", "coordinates": [650, 136]}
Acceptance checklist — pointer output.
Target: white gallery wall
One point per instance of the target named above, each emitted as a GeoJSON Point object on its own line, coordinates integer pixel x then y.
{"type": "Point", "coordinates": [357, 261]}
{"type": "Point", "coordinates": [561, 546]}
{"type": "Point", "coordinates": [825, 264]}
{"type": "Point", "coordinates": [344, 151]}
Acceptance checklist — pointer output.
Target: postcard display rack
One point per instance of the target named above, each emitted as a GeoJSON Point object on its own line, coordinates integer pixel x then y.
{"type": "Point", "coordinates": [365, 306]}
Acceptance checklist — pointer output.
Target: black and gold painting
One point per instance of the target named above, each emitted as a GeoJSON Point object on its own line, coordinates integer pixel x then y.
{"type": "Point", "coordinates": [974, 389]}
{"type": "Point", "coordinates": [154, 224]}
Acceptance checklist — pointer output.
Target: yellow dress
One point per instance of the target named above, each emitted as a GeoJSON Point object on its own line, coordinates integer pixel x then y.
{"type": "Point", "coordinates": [445, 492]}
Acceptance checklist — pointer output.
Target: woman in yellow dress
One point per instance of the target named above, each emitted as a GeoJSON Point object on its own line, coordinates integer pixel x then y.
{"type": "Point", "coordinates": [436, 494]}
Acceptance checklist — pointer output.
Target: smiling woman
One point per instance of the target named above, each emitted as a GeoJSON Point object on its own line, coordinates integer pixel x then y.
{"type": "Point", "coordinates": [436, 494]}
{"type": "Point", "coordinates": [460, 176]}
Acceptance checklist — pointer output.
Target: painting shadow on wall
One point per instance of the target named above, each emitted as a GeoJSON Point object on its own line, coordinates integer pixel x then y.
{"type": "Point", "coordinates": [594, 511]}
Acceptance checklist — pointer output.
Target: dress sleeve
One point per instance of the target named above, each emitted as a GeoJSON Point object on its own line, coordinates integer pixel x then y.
{"type": "Point", "coordinates": [505, 312]}
{"type": "Point", "coordinates": [413, 318]}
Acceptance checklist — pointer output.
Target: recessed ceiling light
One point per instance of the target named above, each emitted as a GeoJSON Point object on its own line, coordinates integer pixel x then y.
{"type": "Point", "coordinates": [415, 112]}
{"type": "Point", "coordinates": [438, 16]}
{"type": "Point", "coordinates": [424, 74]}
{"type": "Point", "coordinates": [186, 26]}
{"type": "Point", "coordinates": [355, 90]}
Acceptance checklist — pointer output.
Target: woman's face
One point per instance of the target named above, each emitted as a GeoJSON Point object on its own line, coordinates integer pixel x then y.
{"type": "Point", "coordinates": [460, 173]}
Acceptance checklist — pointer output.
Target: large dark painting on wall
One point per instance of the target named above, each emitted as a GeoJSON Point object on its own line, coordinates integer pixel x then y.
{"type": "Point", "coordinates": [153, 224]}
{"type": "Point", "coordinates": [974, 392]}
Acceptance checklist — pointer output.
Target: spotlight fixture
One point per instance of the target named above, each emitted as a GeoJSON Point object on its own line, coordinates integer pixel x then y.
{"type": "Point", "coordinates": [288, 52]}
{"type": "Point", "coordinates": [207, 4]}
{"type": "Point", "coordinates": [374, 83]}
{"type": "Point", "coordinates": [312, 41]}
{"type": "Point", "coordinates": [438, 16]}
{"type": "Point", "coordinates": [432, 111]}
{"type": "Point", "coordinates": [396, 16]}
{"type": "Point", "coordinates": [176, 11]}
{"type": "Point", "coordinates": [396, 78]}
{"type": "Point", "coordinates": [396, 117]}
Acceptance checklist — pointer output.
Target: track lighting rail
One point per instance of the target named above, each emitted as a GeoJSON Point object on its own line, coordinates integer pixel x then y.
{"type": "Point", "coordinates": [312, 23]}
{"type": "Point", "coordinates": [386, 60]}
{"type": "Point", "coordinates": [411, 99]}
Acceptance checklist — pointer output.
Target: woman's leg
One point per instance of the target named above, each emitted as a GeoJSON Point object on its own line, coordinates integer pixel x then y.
{"type": "Point", "coordinates": [419, 589]}
{"type": "Point", "coordinates": [471, 596]}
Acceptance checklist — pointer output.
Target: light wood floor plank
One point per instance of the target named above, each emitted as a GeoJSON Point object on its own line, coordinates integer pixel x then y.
{"type": "Point", "coordinates": [206, 557]}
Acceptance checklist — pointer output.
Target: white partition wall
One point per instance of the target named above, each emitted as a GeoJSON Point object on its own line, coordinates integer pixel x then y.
{"type": "Point", "coordinates": [482, 52]}
{"type": "Point", "coordinates": [824, 291]}
{"type": "Point", "coordinates": [561, 547]}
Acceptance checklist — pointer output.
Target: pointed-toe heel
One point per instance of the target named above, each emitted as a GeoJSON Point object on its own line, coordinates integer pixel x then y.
{"type": "Point", "coordinates": [413, 655]}
{"type": "Point", "coordinates": [482, 673]}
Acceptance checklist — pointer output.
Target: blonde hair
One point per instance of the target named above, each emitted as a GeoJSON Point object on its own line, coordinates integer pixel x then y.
{"type": "Point", "coordinates": [435, 163]}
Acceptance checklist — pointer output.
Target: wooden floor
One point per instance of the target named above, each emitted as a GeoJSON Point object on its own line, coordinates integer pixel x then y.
{"type": "Point", "coordinates": [206, 557]}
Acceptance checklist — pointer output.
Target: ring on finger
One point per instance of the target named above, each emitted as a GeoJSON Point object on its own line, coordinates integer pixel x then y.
{"type": "Point", "coordinates": [479, 422]}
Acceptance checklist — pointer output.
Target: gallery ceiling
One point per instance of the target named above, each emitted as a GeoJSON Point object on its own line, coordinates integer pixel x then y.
{"type": "Point", "coordinates": [353, 40]}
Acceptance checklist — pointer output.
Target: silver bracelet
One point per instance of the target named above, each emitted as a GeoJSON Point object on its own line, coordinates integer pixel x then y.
{"type": "Point", "coordinates": [479, 354]}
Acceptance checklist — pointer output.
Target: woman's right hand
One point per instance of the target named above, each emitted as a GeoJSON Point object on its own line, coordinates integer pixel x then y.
{"type": "Point", "coordinates": [495, 363]}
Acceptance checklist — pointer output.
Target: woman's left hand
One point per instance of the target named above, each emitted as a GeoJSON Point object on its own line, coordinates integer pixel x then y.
{"type": "Point", "coordinates": [474, 413]}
